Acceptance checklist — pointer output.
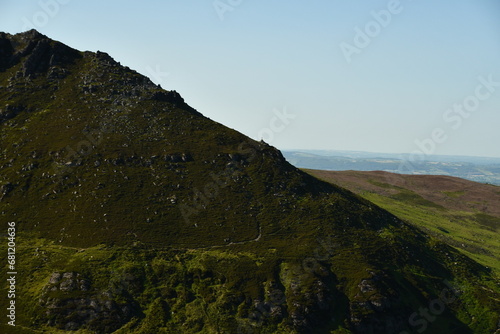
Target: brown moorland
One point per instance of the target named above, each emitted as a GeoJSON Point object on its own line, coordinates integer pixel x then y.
{"type": "Point", "coordinates": [450, 192]}
{"type": "Point", "coordinates": [462, 213]}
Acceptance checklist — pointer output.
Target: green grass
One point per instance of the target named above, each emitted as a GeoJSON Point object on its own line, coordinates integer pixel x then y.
{"type": "Point", "coordinates": [407, 196]}
{"type": "Point", "coordinates": [471, 234]}
{"type": "Point", "coordinates": [454, 194]}
{"type": "Point", "coordinates": [107, 210]}
{"type": "Point", "coordinates": [475, 234]}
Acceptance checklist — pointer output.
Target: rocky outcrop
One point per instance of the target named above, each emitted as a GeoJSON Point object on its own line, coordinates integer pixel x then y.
{"type": "Point", "coordinates": [188, 226]}
{"type": "Point", "coordinates": [71, 304]}
{"type": "Point", "coordinates": [10, 111]}
{"type": "Point", "coordinates": [37, 53]}
{"type": "Point", "coordinates": [5, 190]}
{"type": "Point", "coordinates": [6, 51]}
{"type": "Point", "coordinates": [376, 308]}
{"type": "Point", "coordinates": [309, 297]}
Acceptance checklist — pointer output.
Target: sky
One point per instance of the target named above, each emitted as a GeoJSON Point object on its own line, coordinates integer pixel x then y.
{"type": "Point", "coordinates": [416, 77]}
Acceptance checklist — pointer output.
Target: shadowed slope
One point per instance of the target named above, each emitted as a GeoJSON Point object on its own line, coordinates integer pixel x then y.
{"type": "Point", "coordinates": [137, 214]}
{"type": "Point", "coordinates": [462, 213]}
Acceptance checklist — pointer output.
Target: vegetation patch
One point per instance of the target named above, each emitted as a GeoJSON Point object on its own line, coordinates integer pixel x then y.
{"type": "Point", "coordinates": [137, 214]}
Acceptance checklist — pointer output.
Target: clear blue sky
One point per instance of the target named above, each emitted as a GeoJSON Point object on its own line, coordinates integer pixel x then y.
{"type": "Point", "coordinates": [240, 62]}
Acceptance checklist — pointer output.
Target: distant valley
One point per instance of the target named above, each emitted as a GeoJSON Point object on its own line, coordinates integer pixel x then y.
{"type": "Point", "coordinates": [125, 210]}
{"type": "Point", "coordinates": [478, 169]}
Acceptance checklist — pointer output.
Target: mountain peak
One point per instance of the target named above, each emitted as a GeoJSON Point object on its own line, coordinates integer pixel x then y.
{"type": "Point", "coordinates": [31, 55]}
{"type": "Point", "coordinates": [86, 99]}
{"type": "Point", "coordinates": [26, 36]}
{"type": "Point", "coordinates": [134, 212]}
{"type": "Point", "coordinates": [32, 34]}
{"type": "Point", "coordinates": [35, 51]}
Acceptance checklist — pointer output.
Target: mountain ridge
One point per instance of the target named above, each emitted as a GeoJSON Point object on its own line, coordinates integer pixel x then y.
{"type": "Point", "coordinates": [137, 214]}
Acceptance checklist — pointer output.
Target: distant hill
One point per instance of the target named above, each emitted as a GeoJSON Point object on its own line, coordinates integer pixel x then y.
{"type": "Point", "coordinates": [478, 169]}
{"type": "Point", "coordinates": [134, 213]}
{"type": "Point", "coordinates": [462, 213]}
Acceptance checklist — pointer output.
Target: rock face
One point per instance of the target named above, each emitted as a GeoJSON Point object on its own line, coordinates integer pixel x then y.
{"type": "Point", "coordinates": [71, 304]}
{"type": "Point", "coordinates": [377, 298]}
{"type": "Point", "coordinates": [5, 190]}
{"type": "Point", "coordinates": [137, 214]}
{"type": "Point", "coordinates": [38, 51]}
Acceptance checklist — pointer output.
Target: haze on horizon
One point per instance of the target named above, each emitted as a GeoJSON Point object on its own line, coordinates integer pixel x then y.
{"type": "Point", "coordinates": [385, 76]}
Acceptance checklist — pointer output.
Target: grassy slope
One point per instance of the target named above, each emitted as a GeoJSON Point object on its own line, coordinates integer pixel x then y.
{"type": "Point", "coordinates": [443, 206]}
{"type": "Point", "coordinates": [112, 215]}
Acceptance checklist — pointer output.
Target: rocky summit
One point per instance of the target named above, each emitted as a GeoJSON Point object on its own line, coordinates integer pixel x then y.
{"type": "Point", "coordinates": [134, 213]}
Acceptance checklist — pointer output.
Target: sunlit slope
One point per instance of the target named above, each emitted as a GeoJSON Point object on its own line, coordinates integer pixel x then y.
{"type": "Point", "coordinates": [137, 214]}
